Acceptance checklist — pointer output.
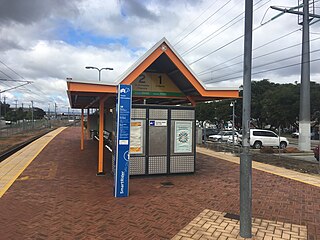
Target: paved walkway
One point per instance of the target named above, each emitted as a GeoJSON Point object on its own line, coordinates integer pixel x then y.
{"type": "Point", "coordinates": [217, 225]}
{"type": "Point", "coordinates": [14, 165]}
{"type": "Point", "coordinates": [59, 196]}
{"type": "Point", "coordinates": [301, 177]}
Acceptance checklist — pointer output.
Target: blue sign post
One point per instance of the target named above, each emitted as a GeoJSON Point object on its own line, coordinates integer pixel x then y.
{"type": "Point", "coordinates": [123, 141]}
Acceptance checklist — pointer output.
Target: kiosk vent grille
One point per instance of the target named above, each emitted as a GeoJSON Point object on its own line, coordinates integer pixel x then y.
{"type": "Point", "coordinates": [158, 165]}
{"type": "Point", "coordinates": [138, 113]}
{"type": "Point", "coordinates": [158, 114]}
{"type": "Point", "coordinates": [181, 164]}
{"type": "Point", "coordinates": [182, 114]}
{"type": "Point", "coordinates": [137, 165]}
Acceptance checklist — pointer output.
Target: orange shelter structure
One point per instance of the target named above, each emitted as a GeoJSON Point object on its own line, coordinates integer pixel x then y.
{"type": "Point", "coordinates": [159, 77]}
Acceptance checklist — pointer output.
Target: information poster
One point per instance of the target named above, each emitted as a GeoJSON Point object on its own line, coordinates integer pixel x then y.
{"type": "Point", "coordinates": [123, 140]}
{"type": "Point", "coordinates": [183, 137]}
{"type": "Point", "coordinates": [136, 137]}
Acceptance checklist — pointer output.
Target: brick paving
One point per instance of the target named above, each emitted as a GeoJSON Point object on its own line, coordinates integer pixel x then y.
{"type": "Point", "coordinates": [218, 225]}
{"type": "Point", "coordinates": [59, 196]}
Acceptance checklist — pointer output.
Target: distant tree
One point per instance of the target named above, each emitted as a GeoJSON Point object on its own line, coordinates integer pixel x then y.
{"type": "Point", "coordinates": [259, 91]}
{"type": "Point", "coordinates": [271, 104]}
{"type": "Point", "coordinates": [4, 109]}
{"type": "Point", "coordinates": [38, 113]}
{"type": "Point", "coordinates": [280, 105]}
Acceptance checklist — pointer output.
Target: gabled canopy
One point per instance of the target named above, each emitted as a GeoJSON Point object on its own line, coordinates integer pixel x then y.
{"type": "Point", "coordinates": [162, 61]}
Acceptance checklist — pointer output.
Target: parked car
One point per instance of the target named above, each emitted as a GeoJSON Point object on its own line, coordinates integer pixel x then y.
{"type": "Point", "coordinates": [222, 136]}
{"type": "Point", "coordinates": [237, 137]}
{"type": "Point", "coordinates": [209, 131]}
{"type": "Point", "coordinates": [316, 152]}
{"type": "Point", "coordinates": [260, 137]}
{"type": "Point", "coordinates": [313, 135]}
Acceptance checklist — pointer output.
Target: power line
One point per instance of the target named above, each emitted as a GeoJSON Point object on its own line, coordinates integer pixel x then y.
{"type": "Point", "coordinates": [263, 71]}
{"type": "Point", "coordinates": [11, 69]}
{"type": "Point", "coordinates": [210, 37]}
{"type": "Point", "coordinates": [6, 74]}
{"type": "Point", "coordinates": [216, 20]}
{"type": "Point", "coordinates": [194, 20]}
{"type": "Point", "coordinates": [260, 56]}
{"type": "Point", "coordinates": [269, 63]}
{"type": "Point", "coordinates": [234, 40]}
{"type": "Point", "coordinates": [240, 55]}
{"type": "Point", "coordinates": [202, 22]}
{"type": "Point", "coordinates": [13, 80]}
{"type": "Point", "coordinates": [22, 81]}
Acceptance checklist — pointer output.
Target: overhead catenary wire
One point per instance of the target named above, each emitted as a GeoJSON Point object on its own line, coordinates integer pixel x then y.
{"type": "Point", "coordinates": [240, 55]}
{"type": "Point", "coordinates": [24, 86]}
{"type": "Point", "coordinates": [263, 71]}
{"type": "Point", "coordinates": [266, 64]}
{"type": "Point", "coordinates": [229, 10]}
{"type": "Point", "coordinates": [217, 33]}
{"type": "Point", "coordinates": [232, 41]}
{"type": "Point", "coordinates": [260, 56]}
{"type": "Point", "coordinates": [202, 22]}
{"type": "Point", "coordinates": [194, 20]}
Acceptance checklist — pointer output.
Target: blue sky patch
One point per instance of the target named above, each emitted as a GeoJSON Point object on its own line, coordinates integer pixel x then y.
{"type": "Point", "coordinates": [74, 36]}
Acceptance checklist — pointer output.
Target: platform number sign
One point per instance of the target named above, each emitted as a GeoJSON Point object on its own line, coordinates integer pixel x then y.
{"type": "Point", "coordinates": [124, 99]}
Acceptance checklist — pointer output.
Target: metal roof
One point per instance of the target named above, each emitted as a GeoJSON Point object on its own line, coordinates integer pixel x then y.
{"type": "Point", "coordinates": [161, 58]}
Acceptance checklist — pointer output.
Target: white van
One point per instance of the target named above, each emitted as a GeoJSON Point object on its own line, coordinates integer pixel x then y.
{"type": "Point", "coordinates": [259, 138]}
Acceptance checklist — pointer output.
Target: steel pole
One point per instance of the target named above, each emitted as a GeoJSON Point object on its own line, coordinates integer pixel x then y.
{"type": "Point", "coordinates": [32, 120]}
{"type": "Point", "coordinates": [245, 157]}
{"type": "Point", "coordinates": [233, 106]}
{"type": "Point", "coordinates": [304, 119]}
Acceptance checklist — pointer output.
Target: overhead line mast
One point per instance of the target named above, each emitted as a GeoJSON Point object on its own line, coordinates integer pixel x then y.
{"type": "Point", "coordinates": [304, 115]}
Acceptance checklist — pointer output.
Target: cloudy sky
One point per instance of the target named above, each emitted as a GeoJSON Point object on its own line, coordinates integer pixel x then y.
{"type": "Point", "coordinates": [47, 41]}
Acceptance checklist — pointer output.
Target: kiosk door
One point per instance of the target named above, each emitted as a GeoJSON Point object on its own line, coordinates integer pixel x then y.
{"type": "Point", "coordinates": [158, 141]}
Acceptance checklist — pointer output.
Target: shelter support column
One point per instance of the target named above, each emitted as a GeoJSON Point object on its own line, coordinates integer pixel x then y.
{"type": "Point", "coordinates": [192, 101]}
{"type": "Point", "coordinates": [101, 146]}
{"type": "Point", "coordinates": [88, 124]}
{"type": "Point", "coordinates": [82, 130]}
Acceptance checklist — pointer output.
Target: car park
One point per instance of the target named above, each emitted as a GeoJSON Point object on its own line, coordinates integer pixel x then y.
{"type": "Point", "coordinates": [266, 138]}
{"type": "Point", "coordinates": [316, 152]}
{"type": "Point", "coordinates": [222, 136]}
{"type": "Point", "coordinates": [237, 137]}
{"type": "Point", "coordinates": [208, 132]}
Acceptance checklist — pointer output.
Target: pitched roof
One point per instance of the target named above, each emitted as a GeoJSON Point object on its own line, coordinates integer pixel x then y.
{"type": "Point", "coordinates": [161, 58]}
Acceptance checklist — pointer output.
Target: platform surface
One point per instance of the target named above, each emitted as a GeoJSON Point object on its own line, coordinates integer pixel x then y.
{"type": "Point", "coordinates": [59, 196]}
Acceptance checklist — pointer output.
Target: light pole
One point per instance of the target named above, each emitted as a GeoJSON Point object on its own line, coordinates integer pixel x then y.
{"type": "Point", "coordinates": [99, 70]}
{"type": "Point", "coordinates": [233, 104]}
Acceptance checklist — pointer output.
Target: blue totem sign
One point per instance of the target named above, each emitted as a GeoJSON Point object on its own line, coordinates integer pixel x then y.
{"type": "Point", "coordinates": [123, 140]}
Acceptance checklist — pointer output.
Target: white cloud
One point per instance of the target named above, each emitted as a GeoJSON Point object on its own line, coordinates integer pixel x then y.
{"type": "Point", "coordinates": [66, 36]}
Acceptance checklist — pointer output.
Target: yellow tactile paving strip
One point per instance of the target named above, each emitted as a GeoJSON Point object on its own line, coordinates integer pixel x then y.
{"type": "Point", "coordinates": [301, 177]}
{"type": "Point", "coordinates": [13, 166]}
{"type": "Point", "coordinates": [214, 225]}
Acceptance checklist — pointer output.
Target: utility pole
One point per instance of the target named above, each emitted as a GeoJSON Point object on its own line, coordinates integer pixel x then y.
{"type": "Point", "coordinates": [22, 116]}
{"type": "Point", "coordinates": [5, 105]}
{"type": "Point", "coordinates": [55, 110]}
{"type": "Point", "coordinates": [32, 114]}
{"type": "Point", "coordinates": [16, 114]}
{"type": "Point", "coordinates": [245, 156]}
{"type": "Point", "coordinates": [304, 114]}
{"type": "Point", "coordinates": [0, 105]}
{"type": "Point", "coordinates": [233, 105]}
